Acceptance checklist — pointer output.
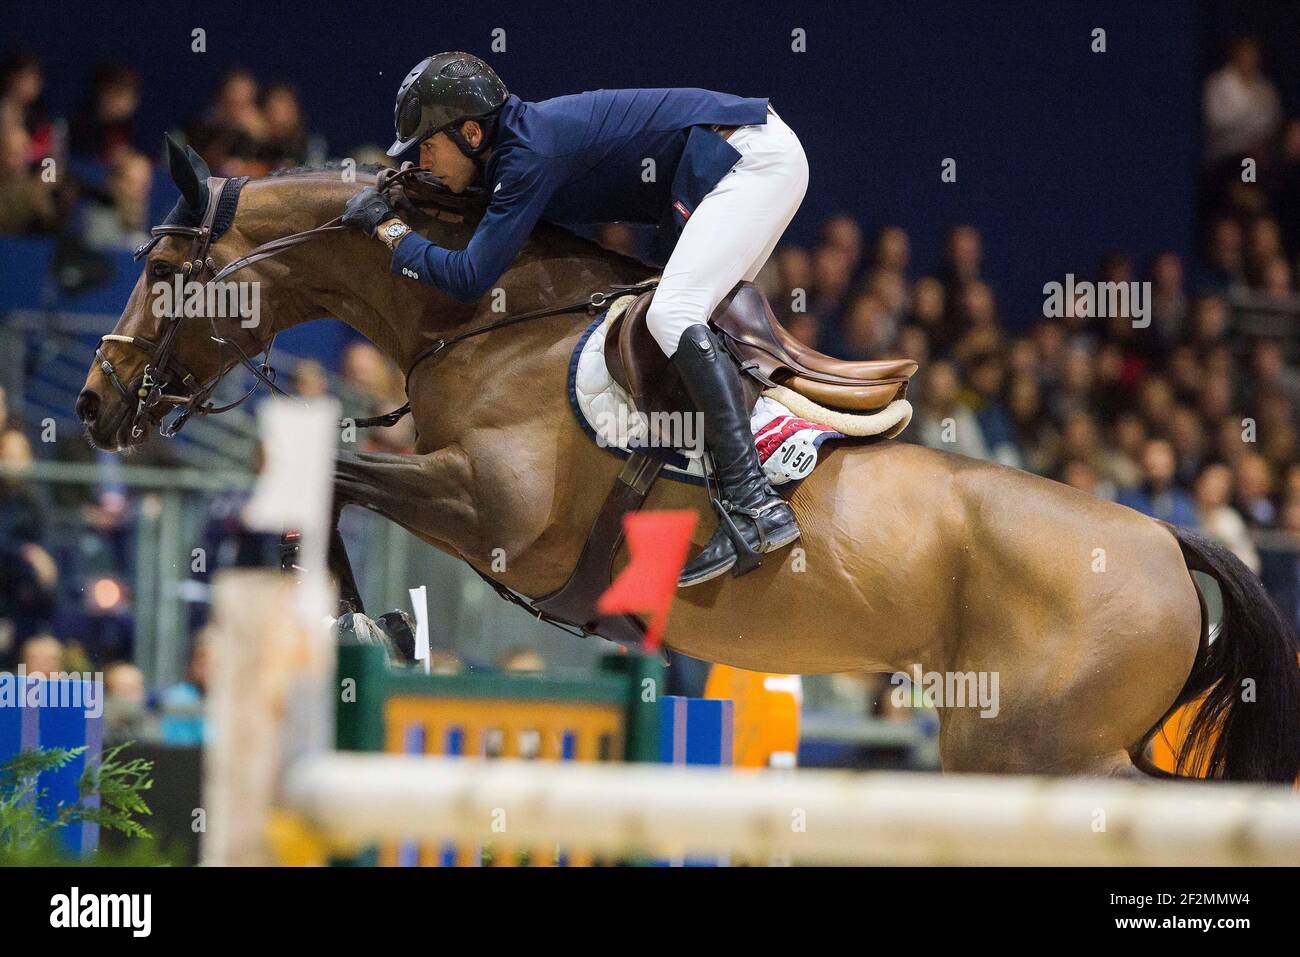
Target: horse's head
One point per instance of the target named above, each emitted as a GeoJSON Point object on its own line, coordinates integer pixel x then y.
{"type": "Point", "coordinates": [180, 331]}
{"type": "Point", "coordinates": [185, 324]}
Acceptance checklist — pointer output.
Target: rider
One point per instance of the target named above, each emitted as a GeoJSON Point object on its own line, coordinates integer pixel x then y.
{"type": "Point", "coordinates": [720, 175]}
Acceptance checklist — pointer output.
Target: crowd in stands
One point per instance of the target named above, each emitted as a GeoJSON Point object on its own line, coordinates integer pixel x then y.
{"type": "Point", "coordinates": [88, 175]}
{"type": "Point", "coordinates": [1191, 418]}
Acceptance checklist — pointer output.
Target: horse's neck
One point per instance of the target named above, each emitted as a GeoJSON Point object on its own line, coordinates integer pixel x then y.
{"type": "Point", "coordinates": [348, 276]}
{"type": "Point", "coordinates": [403, 318]}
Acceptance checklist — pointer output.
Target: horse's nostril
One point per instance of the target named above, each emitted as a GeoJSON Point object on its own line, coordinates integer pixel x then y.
{"type": "Point", "coordinates": [87, 406]}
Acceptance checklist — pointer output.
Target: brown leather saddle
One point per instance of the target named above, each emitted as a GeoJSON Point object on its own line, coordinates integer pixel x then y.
{"type": "Point", "coordinates": [769, 356]}
{"type": "Point", "coordinates": [766, 353]}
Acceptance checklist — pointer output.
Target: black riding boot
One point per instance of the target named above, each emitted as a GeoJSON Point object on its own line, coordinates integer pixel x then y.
{"type": "Point", "coordinates": [753, 519]}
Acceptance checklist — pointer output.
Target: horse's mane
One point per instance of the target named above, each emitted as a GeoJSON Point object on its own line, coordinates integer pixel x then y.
{"type": "Point", "coordinates": [333, 166]}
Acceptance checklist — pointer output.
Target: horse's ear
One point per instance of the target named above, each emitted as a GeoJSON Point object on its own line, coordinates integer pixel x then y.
{"type": "Point", "coordinates": [189, 173]}
{"type": "Point", "coordinates": [200, 167]}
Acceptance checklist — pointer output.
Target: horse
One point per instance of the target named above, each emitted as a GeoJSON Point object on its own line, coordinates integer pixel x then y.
{"type": "Point", "coordinates": [912, 559]}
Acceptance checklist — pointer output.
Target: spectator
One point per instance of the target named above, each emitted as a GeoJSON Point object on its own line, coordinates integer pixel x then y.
{"type": "Point", "coordinates": [1269, 371]}
{"type": "Point", "coordinates": [928, 309]}
{"type": "Point", "coordinates": [229, 134]}
{"type": "Point", "coordinates": [843, 234]}
{"type": "Point", "coordinates": [122, 222]}
{"type": "Point", "coordinates": [26, 203]}
{"type": "Point", "coordinates": [42, 656]}
{"type": "Point", "coordinates": [892, 250]}
{"type": "Point", "coordinates": [1254, 481]}
{"type": "Point", "coordinates": [1275, 279]}
{"type": "Point", "coordinates": [527, 661]}
{"type": "Point", "coordinates": [963, 253]}
{"type": "Point", "coordinates": [1286, 191]}
{"type": "Point", "coordinates": [1158, 496]}
{"type": "Point", "coordinates": [1168, 299]}
{"type": "Point", "coordinates": [376, 386]}
{"type": "Point", "coordinates": [28, 573]}
{"type": "Point", "coordinates": [103, 129]}
{"type": "Point", "coordinates": [1226, 260]}
{"type": "Point", "coordinates": [1035, 434]}
{"type": "Point", "coordinates": [868, 328]}
{"type": "Point", "coordinates": [310, 379]}
{"type": "Point", "coordinates": [942, 420]}
{"type": "Point", "coordinates": [832, 271]}
{"type": "Point", "coordinates": [987, 378]}
{"type": "Point", "coordinates": [284, 143]}
{"type": "Point", "coordinates": [1081, 445]}
{"type": "Point", "coordinates": [1190, 444]}
{"type": "Point", "coordinates": [1079, 474]}
{"type": "Point", "coordinates": [182, 704]}
{"type": "Point", "coordinates": [1122, 459]}
{"type": "Point", "coordinates": [126, 715]}
{"type": "Point", "coordinates": [21, 84]}
{"type": "Point", "coordinates": [1219, 519]}
{"type": "Point", "coordinates": [1241, 106]}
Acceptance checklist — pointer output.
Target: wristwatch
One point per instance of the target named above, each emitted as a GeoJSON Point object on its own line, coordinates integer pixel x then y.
{"type": "Point", "coordinates": [392, 232]}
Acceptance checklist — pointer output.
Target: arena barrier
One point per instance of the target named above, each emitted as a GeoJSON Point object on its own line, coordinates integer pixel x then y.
{"type": "Point", "coordinates": [36, 712]}
{"type": "Point", "coordinates": [614, 714]}
{"type": "Point", "coordinates": [275, 793]}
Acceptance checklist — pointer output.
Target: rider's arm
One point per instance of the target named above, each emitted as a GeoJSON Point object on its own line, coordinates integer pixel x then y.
{"type": "Point", "coordinates": [467, 274]}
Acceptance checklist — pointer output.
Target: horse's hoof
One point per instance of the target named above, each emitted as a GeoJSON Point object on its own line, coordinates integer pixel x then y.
{"type": "Point", "coordinates": [400, 629]}
{"type": "Point", "coordinates": [364, 630]}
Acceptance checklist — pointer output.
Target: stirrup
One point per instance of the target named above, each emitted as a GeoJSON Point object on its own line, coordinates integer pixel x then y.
{"type": "Point", "coordinates": [747, 558]}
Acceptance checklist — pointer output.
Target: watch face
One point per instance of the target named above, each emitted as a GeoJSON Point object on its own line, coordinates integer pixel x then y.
{"type": "Point", "coordinates": [395, 230]}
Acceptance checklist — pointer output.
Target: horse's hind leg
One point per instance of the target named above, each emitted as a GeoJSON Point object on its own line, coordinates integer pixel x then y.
{"type": "Point", "coordinates": [1084, 713]}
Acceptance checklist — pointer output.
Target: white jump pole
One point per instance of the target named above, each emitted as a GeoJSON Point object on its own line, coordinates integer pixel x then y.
{"type": "Point", "coordinates": [805, 816]}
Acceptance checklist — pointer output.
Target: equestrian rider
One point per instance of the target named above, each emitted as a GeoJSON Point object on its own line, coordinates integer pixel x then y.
{"type": "Point", "coordinates": [720, 175]}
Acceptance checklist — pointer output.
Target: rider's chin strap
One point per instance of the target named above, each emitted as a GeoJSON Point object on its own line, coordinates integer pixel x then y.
{"type": "Point", "coordinates": [474, 153]}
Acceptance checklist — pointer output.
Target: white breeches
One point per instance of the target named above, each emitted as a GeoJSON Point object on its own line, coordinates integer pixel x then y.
{"type": "Point", "coordinates": [733, 231]}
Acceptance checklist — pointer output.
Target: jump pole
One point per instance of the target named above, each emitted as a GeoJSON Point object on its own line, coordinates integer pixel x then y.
{"type": "Point", "coordinates": [803, 816]}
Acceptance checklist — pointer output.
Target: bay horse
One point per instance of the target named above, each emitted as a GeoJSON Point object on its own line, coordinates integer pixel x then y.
{"type": "Point", "coordinates": [910, 558]}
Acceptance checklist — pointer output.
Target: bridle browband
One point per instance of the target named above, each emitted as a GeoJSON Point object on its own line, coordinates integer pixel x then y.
{"type": "Point", "coordinates": [163, 368]}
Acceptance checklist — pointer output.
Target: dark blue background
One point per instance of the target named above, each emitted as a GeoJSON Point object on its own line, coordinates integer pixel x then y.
{"type": "Point", "coordinates": [1062, 153]}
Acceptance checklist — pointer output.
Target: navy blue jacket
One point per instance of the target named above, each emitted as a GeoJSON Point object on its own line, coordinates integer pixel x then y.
{"type": "Point", "coordinates": [581, 160]}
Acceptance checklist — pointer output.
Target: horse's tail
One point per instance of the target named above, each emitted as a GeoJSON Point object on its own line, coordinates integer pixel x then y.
{"type": "Point", "coordinates": [1246, 681]}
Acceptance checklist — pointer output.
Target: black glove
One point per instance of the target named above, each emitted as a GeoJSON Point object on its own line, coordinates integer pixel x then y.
{"type": "Point", "coordinates": [366, 210]}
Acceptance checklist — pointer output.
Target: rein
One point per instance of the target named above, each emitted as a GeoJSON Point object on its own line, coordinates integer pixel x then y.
{"type": "Point", "coordinates": [592, 304]}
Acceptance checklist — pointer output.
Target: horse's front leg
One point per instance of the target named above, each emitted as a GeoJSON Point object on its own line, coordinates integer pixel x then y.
{"type": "Point", "coordinates": [430, 495]}
{"type": "Point", "coordinates": [340, 567]}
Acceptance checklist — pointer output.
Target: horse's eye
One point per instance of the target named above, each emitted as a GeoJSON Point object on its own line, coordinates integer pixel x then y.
{"type": "Point", "coordinates": [161, 270]}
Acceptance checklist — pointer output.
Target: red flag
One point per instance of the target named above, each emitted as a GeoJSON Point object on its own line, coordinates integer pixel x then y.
{"type": "Point", "coordinates": [657, 545]}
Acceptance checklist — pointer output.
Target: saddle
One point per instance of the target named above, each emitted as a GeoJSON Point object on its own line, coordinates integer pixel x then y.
{"type": "Point", "coordinates": [766, 353]}
{"type": "Point", "coordinates": [769, 356]}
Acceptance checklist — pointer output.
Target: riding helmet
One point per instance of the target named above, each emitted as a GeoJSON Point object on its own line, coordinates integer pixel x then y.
{"type": "Point", "coordinates": [439, 93]}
